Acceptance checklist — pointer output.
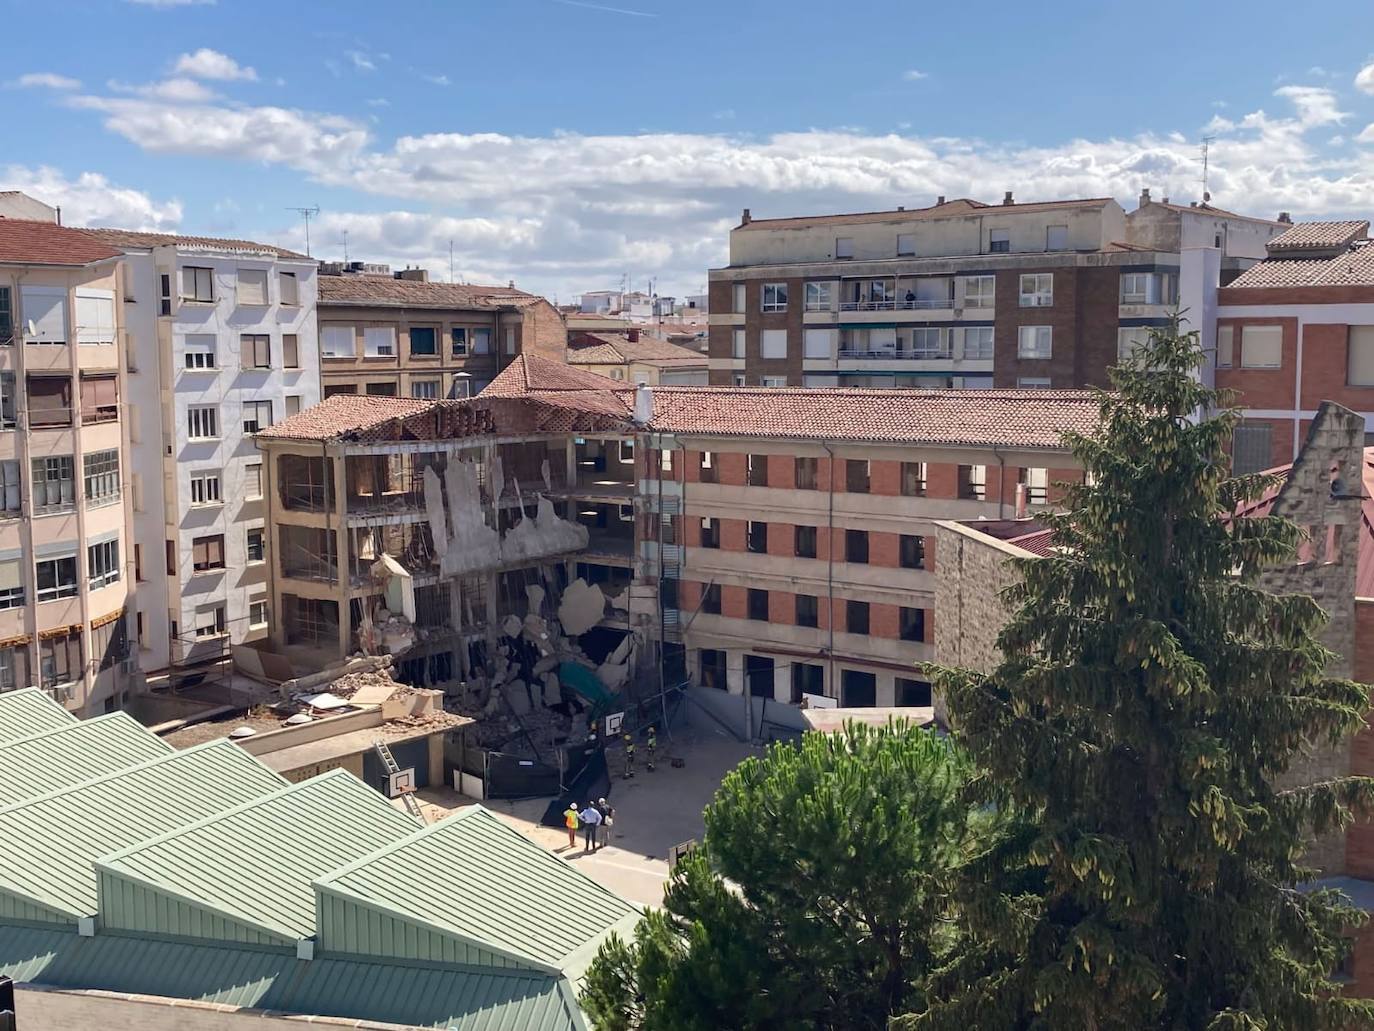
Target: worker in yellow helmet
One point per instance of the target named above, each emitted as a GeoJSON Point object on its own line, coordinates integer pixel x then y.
{"type": "Point", "coordinates": [571, 820]}
{"type": "Point", "coordinates": [629, 757]}
{"type": "Point", "coordinates": [652, 745]}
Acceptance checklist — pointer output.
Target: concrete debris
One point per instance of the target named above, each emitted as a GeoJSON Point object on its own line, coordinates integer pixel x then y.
{"type": "Point", "coordinates": [545, 534]}
{"type": "Point", "coordinates": [518, 696]}
{"type": "Point", "coordinates": [535, 594]}
{"type": "Point", "coordinates": [511, 625]}
{"type": "Point", "coordinates": [553, 690]}
{"type": "Point", "coordinates": [581, 607]}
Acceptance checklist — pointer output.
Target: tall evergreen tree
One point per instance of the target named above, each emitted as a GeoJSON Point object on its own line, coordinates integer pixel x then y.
{"type": "Point", "coordinates": [819, 899]}
{"type": "Point", "coordinates": [1150, 700]}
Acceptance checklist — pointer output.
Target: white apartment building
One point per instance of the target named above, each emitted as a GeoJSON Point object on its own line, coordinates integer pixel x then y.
{"type": "Point", "coordinates": [223, 342]}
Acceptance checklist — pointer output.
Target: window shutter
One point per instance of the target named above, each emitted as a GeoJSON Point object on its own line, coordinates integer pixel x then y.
{"type": "Point", "coordinates": [1361, 367]}
{"type": "Point", "coordinates": [252, 286]}
{"type": "Point", "coordinates": [46, 309]}
{"type": "Point", "coordinates": [95, 317]}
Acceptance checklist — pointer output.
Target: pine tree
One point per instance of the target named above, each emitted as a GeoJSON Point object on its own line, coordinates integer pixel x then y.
{"type": "Point", "coordinates": [1149, 701]}
{"type": "Point", "coordinates": [818, 900]}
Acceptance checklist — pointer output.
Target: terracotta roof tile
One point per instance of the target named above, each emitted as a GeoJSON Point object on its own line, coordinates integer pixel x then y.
{"type": "Point", "coordinates": [1208, 209]}
{"type": "Point", "coordinates": [1308, 236]}
{"type": "Point", "coordinates": [1353, 267]}
{"type": "Point", "coordinates": [617, 348]}
{"type": "Point", "coordinates": [343, 414]}
{"type": "Point", "coordinates": [379, 290]}
{"type": "Point", "coordinates": [43, 243]}
{"type": "Point", "coordinates": [529, 372]}
{"type": "Point", "coordinates": [134, 238]}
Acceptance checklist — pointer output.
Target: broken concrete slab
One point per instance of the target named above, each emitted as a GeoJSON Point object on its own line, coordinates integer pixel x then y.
{"type": "Point", "coordinates": [553, 690]}
{"type": "Point", "coordinates": [581, 607]}
{"type": "Point", "coordinates": [517, 697]}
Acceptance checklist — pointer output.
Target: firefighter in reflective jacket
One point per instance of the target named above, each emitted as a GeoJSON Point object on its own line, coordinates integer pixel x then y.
{"type": "Point", "coordinates": [652, 745]}
{"type": "Point", "coordinates": [629, 757]}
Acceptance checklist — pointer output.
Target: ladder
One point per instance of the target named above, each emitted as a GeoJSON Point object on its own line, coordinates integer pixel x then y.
{"type": "Point", "coordinates": [389, 763]}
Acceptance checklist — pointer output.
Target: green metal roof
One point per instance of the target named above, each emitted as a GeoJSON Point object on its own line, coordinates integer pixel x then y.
{"type": "Point", "coordinates": [30, 711]}
{"type": "Point", "coordinates": [250, 867]}
{"type": "Point", "coordinates": [50, 841]}
{"type": "Point", "coordinates": [44, 762]}
{"type": "Point", "coordinates": [478, 880]}
{"type": "Point", "coordinates": [461, 999]}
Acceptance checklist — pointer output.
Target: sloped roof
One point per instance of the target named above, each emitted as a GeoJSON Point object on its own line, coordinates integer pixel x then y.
{"type": "Point", "coordinates": [137, 238]}
{"type": "Point", "coordinates": [1351, 267]}
{"type": "Point", "coordinates": [1307, 236]}
{"type": "Point", "coordinates": [341, 414]}
{"type": "Point", "coordinates": [1209, 209]}
{"type": "Point", "coordinates": [530, 372]}
{"type": "Point", "coordinates": [254, 864]}
{"type": "Point", "coordinates": [23, 242]}
{"type": "Point", "coordinates": [51, 840]}
{"type": "Point", "coordinates": [486, 883]}
{"type": "Point", "coordinates": [618, 348]}
{"type": "Point", "coordinates": [410, 293]}
{"type": "Point", "coordinates": [44, 762]}
{"type": "Point", "coordinates": [949, 209]}
{"type": "Point", "coordinates": [30, 711]}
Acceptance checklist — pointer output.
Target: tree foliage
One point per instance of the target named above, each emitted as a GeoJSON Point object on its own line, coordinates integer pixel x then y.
{"type": "Point", "coordinates": [1149, 703]}
{"type": "Point", "coordinates": [819, 898]}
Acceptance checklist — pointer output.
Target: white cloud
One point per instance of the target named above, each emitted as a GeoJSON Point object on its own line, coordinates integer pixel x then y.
{"type": "Point", "coordinates": [915, 75]}
{"type": "Point", "coordinates": [1366, 134]}
{"type": "Point", "coordinates": [92, 200]}
{"type": "Point", "coordinates": [1316, 105]}
{"type": "Point", "coordinates": [176, 90]}
{"type": "Point", "coordinates": [437, 80]}
{"type": "Point", "coordinates": [361, 61]}
{"type": "Point", "coordinates": [378, 102]}
{"type": "Point", "coordinates": [211, 64]}
{"type": "Point", "coordinates": [47, 80]}
{"type": "Point", "coordinates": [1364, 78]}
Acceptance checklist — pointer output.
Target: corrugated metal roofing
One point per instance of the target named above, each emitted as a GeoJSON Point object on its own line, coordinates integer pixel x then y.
{"type": "Point", "coordinates": [50, 841]}
{"type": "Point", "coordinates": [42, 763]}
{"type": "Point", "coordinates": [30, 711]}
{"type": "Point", "coordinates": [255, 863]}
{"type": "Point", "coordinates": [462, 999]}
{"type": "Point", "coordinates": [484, 882]}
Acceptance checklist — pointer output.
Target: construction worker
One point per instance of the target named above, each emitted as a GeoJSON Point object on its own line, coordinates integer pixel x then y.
{"type": "Point", "coordinates": [652, 745]}
{"type": "Point", "coordinates": [629, 757]}
{"type": "Point", "coordinates": [570, 820]}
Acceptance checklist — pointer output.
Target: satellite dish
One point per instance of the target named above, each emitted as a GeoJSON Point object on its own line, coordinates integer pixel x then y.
{"type": "Point", "coordinates": [239, 733]}
{"type": "Point", "coordinates": [299, 718]}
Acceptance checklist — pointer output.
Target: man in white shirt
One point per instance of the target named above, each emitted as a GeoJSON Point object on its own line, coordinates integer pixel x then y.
{"type": "Point", "coordinates": [591, 819]}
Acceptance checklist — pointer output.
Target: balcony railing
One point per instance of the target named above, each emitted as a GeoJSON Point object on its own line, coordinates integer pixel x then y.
{"type": "Point", "coordinates": [918, 304]}
{"type": "Point", "coordinates": [898, 354]}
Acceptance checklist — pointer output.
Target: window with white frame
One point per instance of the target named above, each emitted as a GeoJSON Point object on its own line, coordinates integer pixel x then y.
{"type": "Point", "coordinates": [257, 613]}
{"type": "Point", "coordinates": [458, 342]}
{"type": "Point", "coordinates": [338, 342]}
{"type": "Point", "coordinates": [1360, 357]}
{"type": "Point", "coordinates": [737, 298]}
{"type": "Point", "coordinates": [980, 291]}
{"type": "Point", "coordinates": [844, 247]}
{"type": "Point", "coordinates": [56, 577]}
{"type": "Point", "coordinates": [738, 379]}
{"type": "Point", "coordinates": [257, 416]}
{"type": "Point", "coordinates": [1037, 485]}
{"type": "Point", "coordinates": [1261, 347]}
{"type": "Point", "coordinates": [100, 470]}
{"type": "Point", "coordinates": [1134, 287]}
{"type": "Point", "coordinates": [999, 241]}
{"type": "Point", "coordinates": [255, 350]}
{"type": "Point", "coordinates": [818, 296]}
{"type": "Point", "coordinates": [1037, 290]}
{"type": "Point", "coordinates": [9, 391]}
{"type": "Point", "coordinates": [199, 351]}
{"type": "Point", "coordinates": [626, 452]}
{"type": "Point", "coordinates": [510, 340]}
{"type": "Point", "coordinates": [256, 542]}
{"type": "Point", "coordinates": [211, 621]}
{"type": "Point", "coordinates": [293, 404]}
{"type": "Point", "coordinates": [1226, 346]}
{"type": "Point", "coordinates": [379, 342]}
{"type": "Point", "coordinates": [252, 288]}
{"type": "Point", "coordinates": [53, 483]}
{"type": "Point", "coordinates": [95, 317]}
{"type": "Point", "coordinates": [45, 314]}
{"type": "Point", "coordinates": [818, 343]}
{"type": "Point", "coordinates": [102, 563]}
{"type": "Point", "coordinates": [1034, 342]}
{"type": "Point", "coordinates": [290, 289]}
{"type": "Point", "coordinates": [773, 343]}
{"type": "Point", "coordinates": [1032, 382]}
{"type": "Point", "coordinates": [11, 583]}
{"type": "Point", "coordinates": [906, 245]}
{"type": "Point", "coordinates": [1056, 238]}
{"type": "Point", "coordinates": [198, 284]}
{"type": "Point", "coordinates": [425, 389]}
{"type": "Point", "coordinates": [737, 343]}
{"type": "Point", "coordinates": [773, 381]}
{"type": "Point", "coordinates": [481, 340]}
{"type": "Point", "coordinates": [978, 342]}
{"type": "Point", "coordinates": [59, 659]}
{"type": "Point", "coordinates": [252, 480]}
{"type": "Point", "coordinates": [11, 503]}
{"type": "Point", "coordinates": [205, 488]}
{"type": "Point", "coordinates": [202, 422]}
{"type": "Point", "coordinates": [1130, 339]}
{"type": "Point", "coordinates": [774, 297]}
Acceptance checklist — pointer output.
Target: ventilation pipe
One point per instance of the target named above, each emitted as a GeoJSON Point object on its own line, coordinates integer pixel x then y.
{"type": "Point", "coordinates": [644, 404]}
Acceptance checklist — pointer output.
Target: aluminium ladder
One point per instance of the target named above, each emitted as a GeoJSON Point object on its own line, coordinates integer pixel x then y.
{"type": "Point", "coordinates": [389, 763]}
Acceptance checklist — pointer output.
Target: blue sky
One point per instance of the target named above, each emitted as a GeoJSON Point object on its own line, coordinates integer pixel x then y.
{"type": "Point", "coordinates": [564, 143]}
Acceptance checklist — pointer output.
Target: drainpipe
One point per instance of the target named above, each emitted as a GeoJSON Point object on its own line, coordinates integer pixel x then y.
{"type": "Point", "coordinates": [1001, 483]}
{"type": "Point", "coordinates": [830, 570]}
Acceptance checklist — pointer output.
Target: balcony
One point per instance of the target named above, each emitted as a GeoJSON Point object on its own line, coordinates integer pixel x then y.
{"type": "Point", "coordinates": [922, 354]}
{"type": "Point", "coordinates": [916, 304]}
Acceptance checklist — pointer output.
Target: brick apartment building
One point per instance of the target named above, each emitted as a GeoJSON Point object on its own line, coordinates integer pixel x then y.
{"type": "Point", "coordinates": [1295, 330]}
{"type": "Point", "coordinates": [967, 294]}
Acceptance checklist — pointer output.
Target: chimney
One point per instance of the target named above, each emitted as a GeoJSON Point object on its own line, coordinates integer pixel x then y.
{"type": "Point", "coordinates": [511, 285]}
{"type": "Point", "coordinates": [59, 214]}
{"type": "Point", "coordinates": [632, 334]}
{"type": "Point", "coordinates": [1285, 218]}
{"type": "Point", "coordinates": [1007, 199]}
{"type": "Point", "coordinates": [413, 275]}
{"type": "Point", "coordinates": [939, 200]}
{"type": "Point", "coordinates": [745, 218]}
{"type": "Point", "coordinates": [901, 207]}
{"type": "Point", "coordinates": [1144, 197]}
{"type": "Point", "coordinates": [1020, 501]}
{"type": "Point", "coordinates": [644, 404]}
{"type": "Point", "coordinates": [1166, 200]}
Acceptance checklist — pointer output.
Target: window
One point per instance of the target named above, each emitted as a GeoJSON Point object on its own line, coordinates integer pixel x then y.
{"type": "Point", "coordinates": [772, 381]}
{"type": "Point", "coordinates": [57, 578]}
{"type": "Point", "coordinates": [1251, 449]}
{"type": "Point", "coordinates": [913, 694]}
{"type": "Point", "coordinates": [6, 316]}
{"type": "Point", "coordinates": [1034, 342]}
{"type": "Point", "coordinates": [758, 605]}
{"type": "Point", "coordinates": [425, 389]}
{"type": "Point", "coordinates": [45, 314]}
{"type": "Point", "coordinates": [170, 556]}
{"type": "Point", "coordinates": [252, 286]}
{"type": "Point", "coordinates": [95, 319]}
{"type": "Point", "coordinates": [207, 553]}
{"type": "Point", "coordinates": [912, 551]}
{"type": "Point", "coordinates": [463, 387]}
{"type": "Point", "coordinates": [1226, 346]}
{"type": "Point", "coordinates": [912, 624]}
{"type": "Point", "coordinates": [424, 341]}
{"type": "Point", "coordinates": [1360, 357]}
{"type": "Point", "coordinates": [1134, 287]}
{"type": "Point", "coordinates": [59, 659]}
{"type": "Point", "coordinates": [1037, 485]}
{"type": "Point", "coordinates": [929, 343]}
{"type": "Point", "coordinates": [1037, 290]}
{"type": "Point", "coordinates": [774, 297]}
{"type": "Point", "coordinates": [666, 460]}
{"type": "Point", "coordinates": [1033, 383]}
{"type": "Point", "coordinates": [164, 294]}
{"type": "Point", "coordinates": [856, 475]}
{"type": "Point", "coordinates": [256, 350]}
{"type": "Point", "coordinates": [290, 351]}
{"type": "Point", "coordinates": [978, 343]}
{"type": "Point", "coordinates": [626, 452]}
{"type": "Point", "coordinates": [102, 563]}
{"type": "Point", "coordinates": [10, 503]}
{"type": "Point", "coordinates": [50, 401]}
{"type": "Point", "coordinates": [210, 622]}
{"type": "Point", "coordinates": [202, 422]}
{"type": "Point", "coordinates": [913, 479]}
{"type": "Point", "coordinates": [199, 351]}
{"type": "Point", "coordinates": [9, 391]}
{"type": "Point", "coordinates": [138, 562]}
{"type": "Point", "coordinates": [980, 291]}
{"type": "Point", "coordinates": [101, 472]}
{"type": "Point", "coordinates": [338, 342]}
{"type": "Point", "coordinates": [53, 484]}
{"type": "Point", "coordinates": [757, 470]}
{"type": "Point", "coordinates": [708, 467]}
{"type": "Point", "coordinates": [293, 404]}
{"type": "Point", "coordinates": [737, 343]}
{"type": "Point", "coordinates": [756, 537]}
{"type": "Point", "coordinates": [844, 247]}
{"type": "Point", "coordinates": [252, 480]}
{"type": "Point", "coordinates": [818, 343]}
{"type": "Point", "coordinates": [481, 341]}
{"type": "Point", "coordinates": [737, 298]}
{"type": "Point", "coordinates": [382, 389]}
{"type": "Point", "coordinates": [99, 398]}
{"type": "Point", "coordinates": [510, 340]}
{"type": "Point", "coordinates": [1129, 340]}
{"type": "Point", "coordinates": [197, 284]}
{"type": "Point", "coordinates": [804, 541]}
{"type": "Point", "coordinates": [205, 488]}
{"type": "Point", "coordinates": [999, 241]}
{"type": "Point", "coordinates": [710, 533]}
{"type": "Point", "coordinates": [257, 544]}
{"type": "Point", "coordinates": [858, 690]}
{"type": "Point", "coordinates": [257, 415]}
{"type": "Point", "coordinates": [856, 617]}
{"type": "Point", "coordinates": [11, 583]}
{"type": "Point", "coordinates": [856, 546]}
{"type": "Point", "coordinates": [379, 342]}
{"type": "Point", "coordinates": [1261, 347]}
{"type": "Point", "coordinates": [1056, 238]}
{"type": "Point", "coordinates": [738, 379]}
{"type": "Point", "coordinates": [817, 297]}
{"type": "Point", "coordinates": [710, 599]}
{"type": "Point", "coordinates": [807, 610]}
{"type": "Point", "coordinates": [906, 245]}
{"type": "Point", "coordinates": [458, 342]}
{"type": "Point", "coordinates": [973, 482]}
{"type": "Point", "coordinates": [289, 289]}
{"type": "Point", "coordinates": [805, 472]}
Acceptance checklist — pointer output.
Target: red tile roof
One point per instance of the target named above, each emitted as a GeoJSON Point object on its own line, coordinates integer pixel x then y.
{"type": "Point", "coordinates": [382, 291]}
{"type": "Point", "coordinates": [1353, 267]}
{"type": "Point", "coordinates": [618, 348]}
{"type": "Point", "coordinates": [134, 238]}
{"type": "Point", "coordinates": [343, 414]}
{"type": "Point", "coordinates": [43, 243]}
{"type": "Point", "coordinates": [1208, 209]}
{"type": "Point", "coordinates": [949, 209]}
{"type": "Point", "coordinates": [1309, 236]}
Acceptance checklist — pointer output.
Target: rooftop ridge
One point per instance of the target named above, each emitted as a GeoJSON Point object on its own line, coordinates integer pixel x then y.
{"type": "Point", "coordinates": [146, 238]}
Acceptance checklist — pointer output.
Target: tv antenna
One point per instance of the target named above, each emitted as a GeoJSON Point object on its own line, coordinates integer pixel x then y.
{"type": "Point", "coordinates": [345, 238]}
{"type": "Point", "coordinates": [307, 214]}
{"type": "Point", "coordinates": [1206, 148]}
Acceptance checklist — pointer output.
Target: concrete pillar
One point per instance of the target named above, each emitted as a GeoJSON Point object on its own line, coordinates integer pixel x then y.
{"type": "Point", "coordinates": [885, 695]}
{"type": "Point", "coordinates": [782, 681]}
{"type": "Point", "coordinates": [734, 672]}
{"type": "Point", "coordinates": [692, 657]}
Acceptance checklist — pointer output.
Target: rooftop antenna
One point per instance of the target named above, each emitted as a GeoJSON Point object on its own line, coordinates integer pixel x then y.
{"type": "Point", "coordinates": [345, 236]}
{"type": "Point", "coordinates": [307, 214]}
{"type": "Point", "coordinates": [1206, 148]}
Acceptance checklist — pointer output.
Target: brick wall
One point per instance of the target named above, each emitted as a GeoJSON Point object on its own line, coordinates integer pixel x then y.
{"type": "Point", "coordinates": [1325, 368]}
{"type": "Point", "coordinates": [1263, 388]}
{"type": "Point", "coordinates": [885, 478]}
{"type": "Point", "coordinates": [1295, 295]}
{"type": "Point", "coordinates": [1083, 320]}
